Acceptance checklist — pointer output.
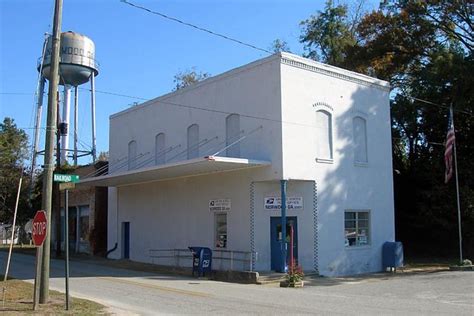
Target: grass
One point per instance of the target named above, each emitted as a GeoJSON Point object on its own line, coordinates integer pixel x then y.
{"type": "Point", "coordinates": [19, 301]}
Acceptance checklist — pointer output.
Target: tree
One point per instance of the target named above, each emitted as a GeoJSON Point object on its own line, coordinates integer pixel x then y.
{"type": "Point", "coordinates": [188, 77]}
{"type": "Point", "coordinates": [424, 48]}
{"type": "Point", "coordinates": [279, 45]}
{"type": "Point", "coordinates": [13, 152]}
{"type": "Point", "coordinates": [328, 35]}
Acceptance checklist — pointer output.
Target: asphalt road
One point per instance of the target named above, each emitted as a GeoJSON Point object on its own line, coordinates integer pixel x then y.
{"type": "Point", "coordinates": [128, 292]}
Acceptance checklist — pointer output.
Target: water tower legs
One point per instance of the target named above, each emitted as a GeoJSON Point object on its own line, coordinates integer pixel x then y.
{"type": "Point", "coordinates": [65, 124]}
{"type": "Point", "coordinates": [39, 110]}
{"type": "Point", "coordinates": [94, 154]}
{"type": "Point", "coordinates": [76, 121]}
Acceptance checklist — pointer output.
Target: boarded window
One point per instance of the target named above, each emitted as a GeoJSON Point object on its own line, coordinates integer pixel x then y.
{"type": "Point", "coordinates": [160, 155]}
{"type": "Point", "coordinates": [360, 140]}
{"type": "Point", "coordinates": [193, 141]}
{"type": "Point", "coordinates": [323, 135]}
{"type": "Point", "coordinates": [132, 155]}
{"type": "Point", "coordinates": [232, 125]}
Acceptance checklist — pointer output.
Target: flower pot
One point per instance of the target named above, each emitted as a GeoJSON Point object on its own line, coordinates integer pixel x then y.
{"type": "Point", "coordinates": [287, 283]}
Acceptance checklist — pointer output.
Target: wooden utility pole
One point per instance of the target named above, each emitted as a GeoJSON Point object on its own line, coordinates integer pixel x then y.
{"type": "Point", "coordinates": [51, 129]}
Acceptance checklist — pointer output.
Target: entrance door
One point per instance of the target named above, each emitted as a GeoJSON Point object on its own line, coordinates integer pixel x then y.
{"type": "Point", "coordinates": [126, 240]}
{"type": "Point", "coordinates": [276, 242]}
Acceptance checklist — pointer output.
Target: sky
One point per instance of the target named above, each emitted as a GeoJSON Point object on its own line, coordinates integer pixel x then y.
{"type": "Point", "coordinates": [139, 53]}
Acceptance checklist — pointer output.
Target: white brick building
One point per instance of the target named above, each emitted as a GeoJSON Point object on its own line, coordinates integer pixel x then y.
{"type": "Point", "coordinates": [230, 140]}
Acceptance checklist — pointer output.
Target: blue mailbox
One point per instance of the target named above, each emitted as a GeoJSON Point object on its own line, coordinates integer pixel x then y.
{"type": "Point", "coordinates": [202, 260]}
{"type": "Point", "coordinates": [392, 255]}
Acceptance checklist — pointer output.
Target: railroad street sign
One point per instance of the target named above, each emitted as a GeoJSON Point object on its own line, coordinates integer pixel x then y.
{"type": "Point", "coordinates": [39, 228]}
{"type": "Point", "coordinates": [57, 177]}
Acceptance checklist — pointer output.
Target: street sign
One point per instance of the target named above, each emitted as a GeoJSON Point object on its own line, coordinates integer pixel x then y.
{"type": "Point", "coordinates": [39, 228]}
{"type": "Point", "coordinates": [66, 186]}
{"type": "Point", "coordinates": [65, 177]}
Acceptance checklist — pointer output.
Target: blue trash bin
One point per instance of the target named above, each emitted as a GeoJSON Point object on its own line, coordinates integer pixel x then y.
{"type": "Point", "coordinates": [392, 255]}
{"type": "Point", "coordinates": [202, 260]}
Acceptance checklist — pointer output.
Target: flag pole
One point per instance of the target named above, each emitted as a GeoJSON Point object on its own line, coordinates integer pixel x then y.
{"type": "Point", "coordinates": [457, 188]}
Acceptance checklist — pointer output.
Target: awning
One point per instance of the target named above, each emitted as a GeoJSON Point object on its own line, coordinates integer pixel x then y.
{"type": "Point", "coordinates": [187, 168]}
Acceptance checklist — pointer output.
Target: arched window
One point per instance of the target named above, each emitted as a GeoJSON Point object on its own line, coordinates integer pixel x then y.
{"type": "Point", "coordinates": [193, 141]}
{"type": "Point", "coordinates": [324, 135]}
{"type": "Point", "coordinates": [232, 133]}
{"type": "Point", "coordinates": [132, 155]}
{"type": "Point", "coordinates": [360, 139]}
{"type": "Point", "coordinates": [160, 155]}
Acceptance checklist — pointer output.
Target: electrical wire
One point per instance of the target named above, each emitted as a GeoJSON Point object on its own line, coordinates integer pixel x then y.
{"type": "Point", "coordinates": [195, 26]}
{"type": "Point", "coordinates": [436, 104]}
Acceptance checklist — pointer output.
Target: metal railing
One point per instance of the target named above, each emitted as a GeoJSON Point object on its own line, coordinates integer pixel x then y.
{"type": "Point", "coordinates": [233, 260]}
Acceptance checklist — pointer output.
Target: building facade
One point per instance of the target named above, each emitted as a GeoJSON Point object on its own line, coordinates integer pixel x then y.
{"type": "Point", "coordinates": [205, 166]}
{"type": "Point", "coordinates": [87, 217]}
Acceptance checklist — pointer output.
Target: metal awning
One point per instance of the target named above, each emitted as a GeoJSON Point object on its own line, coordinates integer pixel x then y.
{"type": "Point", "coordinates": [187, 168]}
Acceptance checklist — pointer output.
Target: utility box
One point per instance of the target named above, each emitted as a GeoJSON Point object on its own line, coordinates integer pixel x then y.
{"type": "Point", "coordinates": [392, 255]}
{"type": "Point", "coordinates": [202, 260]}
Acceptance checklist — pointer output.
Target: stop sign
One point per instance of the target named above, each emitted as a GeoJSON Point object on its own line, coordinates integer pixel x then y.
{"type": "Point", "coordinates": [39, 228]}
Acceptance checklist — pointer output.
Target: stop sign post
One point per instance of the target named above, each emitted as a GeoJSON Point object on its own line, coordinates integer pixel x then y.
{"type": "Point", "coordinates": [39, 228]}
{"type": "Point", "coordinates": [38, 235]}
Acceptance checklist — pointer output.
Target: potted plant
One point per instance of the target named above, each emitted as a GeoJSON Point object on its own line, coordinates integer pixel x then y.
{"type": "Point", "coordinates": [294, 277]}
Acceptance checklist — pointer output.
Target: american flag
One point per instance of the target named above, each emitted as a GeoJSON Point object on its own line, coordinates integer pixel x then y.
{"type": "Point", "coordinates": [448, 152]}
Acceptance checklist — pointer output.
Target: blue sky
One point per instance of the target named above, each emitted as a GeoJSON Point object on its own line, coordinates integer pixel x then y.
{"type": "Point", "coordinates": [139, 53]}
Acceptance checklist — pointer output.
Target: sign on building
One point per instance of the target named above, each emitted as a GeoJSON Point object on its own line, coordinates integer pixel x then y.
{"type": "Point", "coordinates": [219, 205]}
{"type": "Point", "coordinates": [273, 203]}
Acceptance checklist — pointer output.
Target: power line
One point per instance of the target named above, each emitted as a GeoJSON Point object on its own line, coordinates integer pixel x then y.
{"type": "Point", "coordinates": [436, 104]}
{"type": "Point", "coordinates": [116, 94]}
{"type": "Point", "coordinates": [243, 115]}
{"type": "Point", "coordinates": [195, 26]}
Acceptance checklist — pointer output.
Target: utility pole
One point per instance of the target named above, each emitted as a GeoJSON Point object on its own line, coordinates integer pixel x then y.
{"type": "Point", "coordinates": [51, 129]}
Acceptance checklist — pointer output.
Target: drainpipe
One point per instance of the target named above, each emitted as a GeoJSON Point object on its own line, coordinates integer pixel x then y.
{"type": "Point", "coordinates": [283, 184]}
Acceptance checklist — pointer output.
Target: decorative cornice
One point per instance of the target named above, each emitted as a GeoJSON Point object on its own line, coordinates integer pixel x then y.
{"type": "Point", "coordinates": [327, 72]}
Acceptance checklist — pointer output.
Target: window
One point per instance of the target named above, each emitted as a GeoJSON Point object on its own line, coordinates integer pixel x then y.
{"type": "Point", "coordinates": [193, 141]}
{"type": "Point", "coordinates": [132, 155]}
{"type": "Point", "coordinates": [357, 228]}
{"type": "Point", "coordinates": [360, 140]}
{"type": "Point", "coordinates": [323, 135]}
{"type": "Point", "coordinates": [160, 155]}
{"type": "Point", "coordinates": [232, 133]}
{"type": "Point", "coordinates": [221, 230]}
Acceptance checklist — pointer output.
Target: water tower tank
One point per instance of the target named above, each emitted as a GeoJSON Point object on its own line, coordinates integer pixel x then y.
{"type": "Point", "coordinates": [77, 59]}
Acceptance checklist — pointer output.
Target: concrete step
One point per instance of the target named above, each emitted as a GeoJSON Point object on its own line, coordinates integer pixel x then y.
{"type": "Point", "coordinates": [271, 278]}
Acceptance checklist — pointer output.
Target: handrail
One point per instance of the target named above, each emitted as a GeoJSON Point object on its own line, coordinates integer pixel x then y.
{"type": "Point", "coordinates": [247, 258]}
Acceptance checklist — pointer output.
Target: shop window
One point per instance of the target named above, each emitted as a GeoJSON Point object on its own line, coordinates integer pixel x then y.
{"type": "Point", "coordinates": [160, 156]}
{"type": "Point", "coordinates": [220, 222]}
{"type": "Point", "coordinates": [232, 130]}
{"type": "Point", "coordinates": [360, 140]}
{"type": "Point", "coordinates": [193, 141]}
{"type": "Point", "coordinates": [356, 228]}
{"type": "Point", "coordinates": [132, 155]}
{"type": "Point", "coordinates": [323, 135]}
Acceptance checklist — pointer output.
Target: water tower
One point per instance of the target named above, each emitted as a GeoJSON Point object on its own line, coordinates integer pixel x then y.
{"type": "Point", "coordinates": [77, 65]}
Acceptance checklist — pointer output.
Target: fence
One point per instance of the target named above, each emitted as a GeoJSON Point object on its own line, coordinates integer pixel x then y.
{"type": "Point", "coordinates": [232, 260]}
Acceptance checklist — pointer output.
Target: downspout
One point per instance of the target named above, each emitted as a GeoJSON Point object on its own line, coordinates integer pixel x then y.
{"type": "Point", "coordinates": [283, 185]}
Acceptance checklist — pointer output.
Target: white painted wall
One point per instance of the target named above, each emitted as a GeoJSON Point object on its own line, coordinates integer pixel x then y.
{"type": "Point", "coordinates": [175, 214]}
{"type": "Point", "coordinates": [342, 184]}
{"type": "Point", "coordinates": [305, 222]}
{"type": "Point", "coordinates": [253, 91]}
{"type": "Point", "coordinates": [278, 93]}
